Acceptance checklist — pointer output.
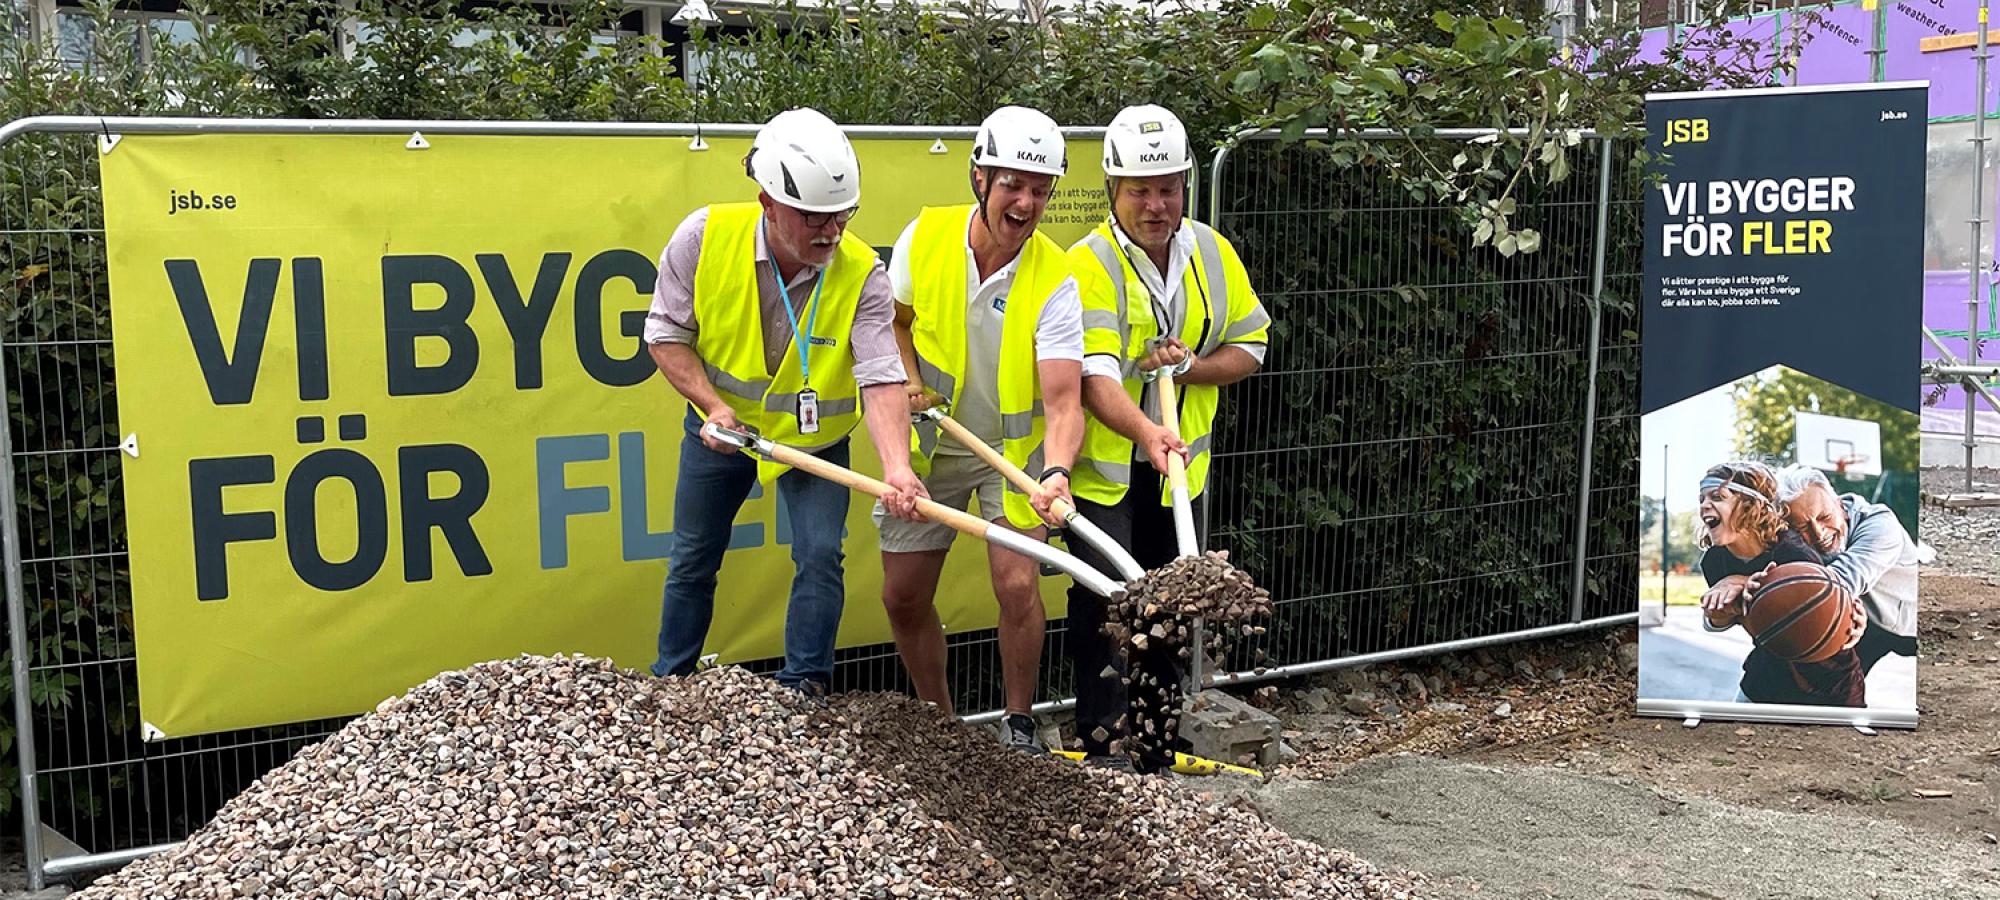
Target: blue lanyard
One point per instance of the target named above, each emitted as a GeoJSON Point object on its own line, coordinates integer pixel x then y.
{"type": "Point", "coordinates": [800, 342]}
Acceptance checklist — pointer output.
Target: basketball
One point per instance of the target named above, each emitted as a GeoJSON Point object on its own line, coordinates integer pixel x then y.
{"type": "Point", "coordinates": [1801, 614]}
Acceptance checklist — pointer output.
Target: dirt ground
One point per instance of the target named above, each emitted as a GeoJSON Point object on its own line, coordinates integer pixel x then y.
{"type": "Point", "coordinates": [1585, 726]}
{"type": "Point", "coordinates": [1521, 771]}
{"type": "Point", "coordinates": [1954, 749]}
{"type": "Point", "coordinates": [1571, 796]}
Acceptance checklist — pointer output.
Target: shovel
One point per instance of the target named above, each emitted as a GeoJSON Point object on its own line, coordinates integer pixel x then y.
{"type": "Point", "coordinates": [1170, 416]}
{"type": "Point", "coordinates": [1092, 580]}
{"type": "Point", "coordinates": [1177, 485]}
{"type": "Point", "coordinates": [1074, 521]}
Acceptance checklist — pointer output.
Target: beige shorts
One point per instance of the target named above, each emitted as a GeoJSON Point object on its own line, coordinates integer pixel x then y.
{"type": "Point", "coordinates": [954, 481]}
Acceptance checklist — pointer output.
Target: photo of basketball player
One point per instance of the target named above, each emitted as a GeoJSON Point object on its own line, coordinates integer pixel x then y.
{"type": "Point", "coordinates": [1776, 561]}
{"type": "Point", "coordinates": [1866, 546]}
{"type": "Point", "coordinates": [1802, 653]}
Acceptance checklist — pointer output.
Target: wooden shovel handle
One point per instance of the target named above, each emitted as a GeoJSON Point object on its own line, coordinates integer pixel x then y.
{"type": "Point", "coordinates": [1170, 416]}
{"type": "Point", "coordinates": [933, 510]}
{"type": "Point", "coordinates": [992, 457]}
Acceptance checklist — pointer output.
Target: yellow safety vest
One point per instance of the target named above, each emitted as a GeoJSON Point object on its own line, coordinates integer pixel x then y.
{"type": "Point", "coordinates": [938, 281]}
{"type": "Point", "coordinates": [730, 341]}
{"type": "Point", "coordinates": [1119, 319]}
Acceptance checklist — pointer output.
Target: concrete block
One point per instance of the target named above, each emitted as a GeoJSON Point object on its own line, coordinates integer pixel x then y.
{"type": "Point", "coordinates": [1221, 727]}
{"type": "Point", "coordinates": [1947, 450]}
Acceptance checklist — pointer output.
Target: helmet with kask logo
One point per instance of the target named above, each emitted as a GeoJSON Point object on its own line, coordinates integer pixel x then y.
{"type": "Point", "coordinates": [803, 160]}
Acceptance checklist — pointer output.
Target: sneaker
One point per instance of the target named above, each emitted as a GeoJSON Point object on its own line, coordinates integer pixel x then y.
{"type": "Point", "coordinates": [1017, 732]}
{"type": "Point", "coordinates": [813, 692]}
{"type": "Point", "coordinates": [1117, 763]}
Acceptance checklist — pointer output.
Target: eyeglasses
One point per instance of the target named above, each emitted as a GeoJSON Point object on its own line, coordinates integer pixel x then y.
{"type": "Point", "coordinates": [821, 219]}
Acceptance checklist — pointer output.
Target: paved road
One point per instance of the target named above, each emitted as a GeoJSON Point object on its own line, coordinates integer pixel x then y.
{"type": "Point", "coordinates": [1532, 832]}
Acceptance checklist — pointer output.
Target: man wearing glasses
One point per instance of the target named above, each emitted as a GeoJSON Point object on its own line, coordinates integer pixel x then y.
{"type": "Point", "coordinates": [990, 324]}
{"type": "Point", "coordinates": [767, 315]}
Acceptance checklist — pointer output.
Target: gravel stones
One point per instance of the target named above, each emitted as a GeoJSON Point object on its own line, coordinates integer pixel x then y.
{"type": "Point", "coordinates": [1967, 541]}
{"type": "Point", "coordinates": [1154, 620]}
{"type": "Point", "coordinates": [1205, 585]}
{"type": "Point", "coordinates": [568, 777]}
{"type": "Point", "coordinates": [1063, 830]}
{"type": "Point", "coordinates": [1161, 606]}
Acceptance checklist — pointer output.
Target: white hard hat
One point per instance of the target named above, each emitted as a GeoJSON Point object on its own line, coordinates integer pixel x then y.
{"type": "Point", "coordinates": [804, 161]}
{"type": "Point", "coordinates": [1145, 140]}
{"type": "Point", "coordinates": [1016, 137]}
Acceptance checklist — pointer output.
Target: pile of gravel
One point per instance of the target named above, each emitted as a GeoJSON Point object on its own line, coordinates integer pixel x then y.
{"type": "Point", "coordinates": [1155, 616]}
{"type": "Point", "coordinates": [1159, 606]}
{"type": "Point", "coordinates": [1967, 540]}
{"type": "Point", "coordinates": [568, 777]}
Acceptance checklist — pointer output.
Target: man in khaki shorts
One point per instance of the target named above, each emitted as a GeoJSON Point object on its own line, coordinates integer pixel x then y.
{"type": "Point", "coordinates": [989, 321]}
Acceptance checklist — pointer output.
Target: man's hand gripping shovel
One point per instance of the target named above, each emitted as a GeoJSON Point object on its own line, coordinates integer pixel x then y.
{"type": "Point", "coordinates": [751, 442]}
{"type": "Point", "coordinates": [1128, 568]}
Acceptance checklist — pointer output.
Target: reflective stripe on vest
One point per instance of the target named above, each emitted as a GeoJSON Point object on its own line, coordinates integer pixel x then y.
{"type": "Point", "coordinates": [1256, 321]}
{"type": "Point", "coordinates": [940, 282]}
{"type": "Point", "coordinates": [1104, 468]}
{"type": "Point", "coordinates": [730, 341]}
{"type": "Point", "coordinates": [1122, 472]}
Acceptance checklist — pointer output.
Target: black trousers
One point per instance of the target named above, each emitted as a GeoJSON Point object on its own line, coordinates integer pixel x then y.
{"type": "Point", "coordinates": [1140, 524]}
{"type": "Point", "coordinates": [1878, 642]}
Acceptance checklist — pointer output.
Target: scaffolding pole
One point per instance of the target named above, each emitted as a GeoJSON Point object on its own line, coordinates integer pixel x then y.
{"type": "Point", "coordinates": [1978, 258]}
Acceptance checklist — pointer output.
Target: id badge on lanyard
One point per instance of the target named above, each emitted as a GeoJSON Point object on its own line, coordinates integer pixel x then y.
{"type": "Point", "coordinates": [808, 411]}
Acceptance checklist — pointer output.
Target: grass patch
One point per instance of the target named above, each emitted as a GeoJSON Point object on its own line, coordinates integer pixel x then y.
{"type": "Point", "coordinates": [1682, 590]}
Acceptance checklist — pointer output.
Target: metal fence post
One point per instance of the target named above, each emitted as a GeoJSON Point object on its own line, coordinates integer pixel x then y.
{"type": "Point", "coordinates": [1197, 661]}
{"type": "Point", "coordinates": [1590, 389]}
{"type": "Point", "coordinates": [1878, 34]}
{"type": "Point", "coordinates": [17, 641]}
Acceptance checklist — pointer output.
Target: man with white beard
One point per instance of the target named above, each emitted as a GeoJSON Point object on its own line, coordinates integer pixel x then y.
{"type": "Point", "coordinates": [1868, 551]}
{"type": "Point", "coordinates": [768, 315]}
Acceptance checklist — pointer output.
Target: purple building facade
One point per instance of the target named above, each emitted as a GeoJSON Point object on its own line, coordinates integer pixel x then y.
{"type": "Point", "coordinates": [1851, 42]}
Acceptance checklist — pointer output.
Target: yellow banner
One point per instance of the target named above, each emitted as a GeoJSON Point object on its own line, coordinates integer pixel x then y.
{"type": "Point", "coordinates": [393, 415]}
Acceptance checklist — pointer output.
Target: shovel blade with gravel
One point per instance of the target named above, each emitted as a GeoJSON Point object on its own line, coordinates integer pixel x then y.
{"type": "Point", "coordinates": [1164, 610]}
{"type": "Point", "coordinates": [1219, 589]}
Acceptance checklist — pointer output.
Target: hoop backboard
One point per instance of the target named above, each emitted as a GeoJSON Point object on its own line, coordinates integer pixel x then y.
{"type": "Point", "coordinates": [1852, 447]}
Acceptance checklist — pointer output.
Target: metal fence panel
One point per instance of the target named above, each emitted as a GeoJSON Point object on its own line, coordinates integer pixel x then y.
{"type": "Point", "coordinates": [91, 778]}
{"type": "Point", "coordinates": [87, 777]}
{"type": "Point", "coordinates": [1403, 473]}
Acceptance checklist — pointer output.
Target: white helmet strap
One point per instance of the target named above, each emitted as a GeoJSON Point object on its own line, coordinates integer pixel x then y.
{"type": "Point", "coordinates": [1111, 195]}
{"type": "Point", "coordinates": [972, 177]}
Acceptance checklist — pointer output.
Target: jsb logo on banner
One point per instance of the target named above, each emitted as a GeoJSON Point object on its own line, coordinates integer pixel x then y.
{"type": "Point", "coordinates": [398, 424]}
{"type": "Point", "coordinates": [1781, 318]}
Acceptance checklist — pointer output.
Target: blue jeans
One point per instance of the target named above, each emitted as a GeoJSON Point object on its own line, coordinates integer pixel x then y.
{"type": "Point", "coordinates": [710, 491]}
